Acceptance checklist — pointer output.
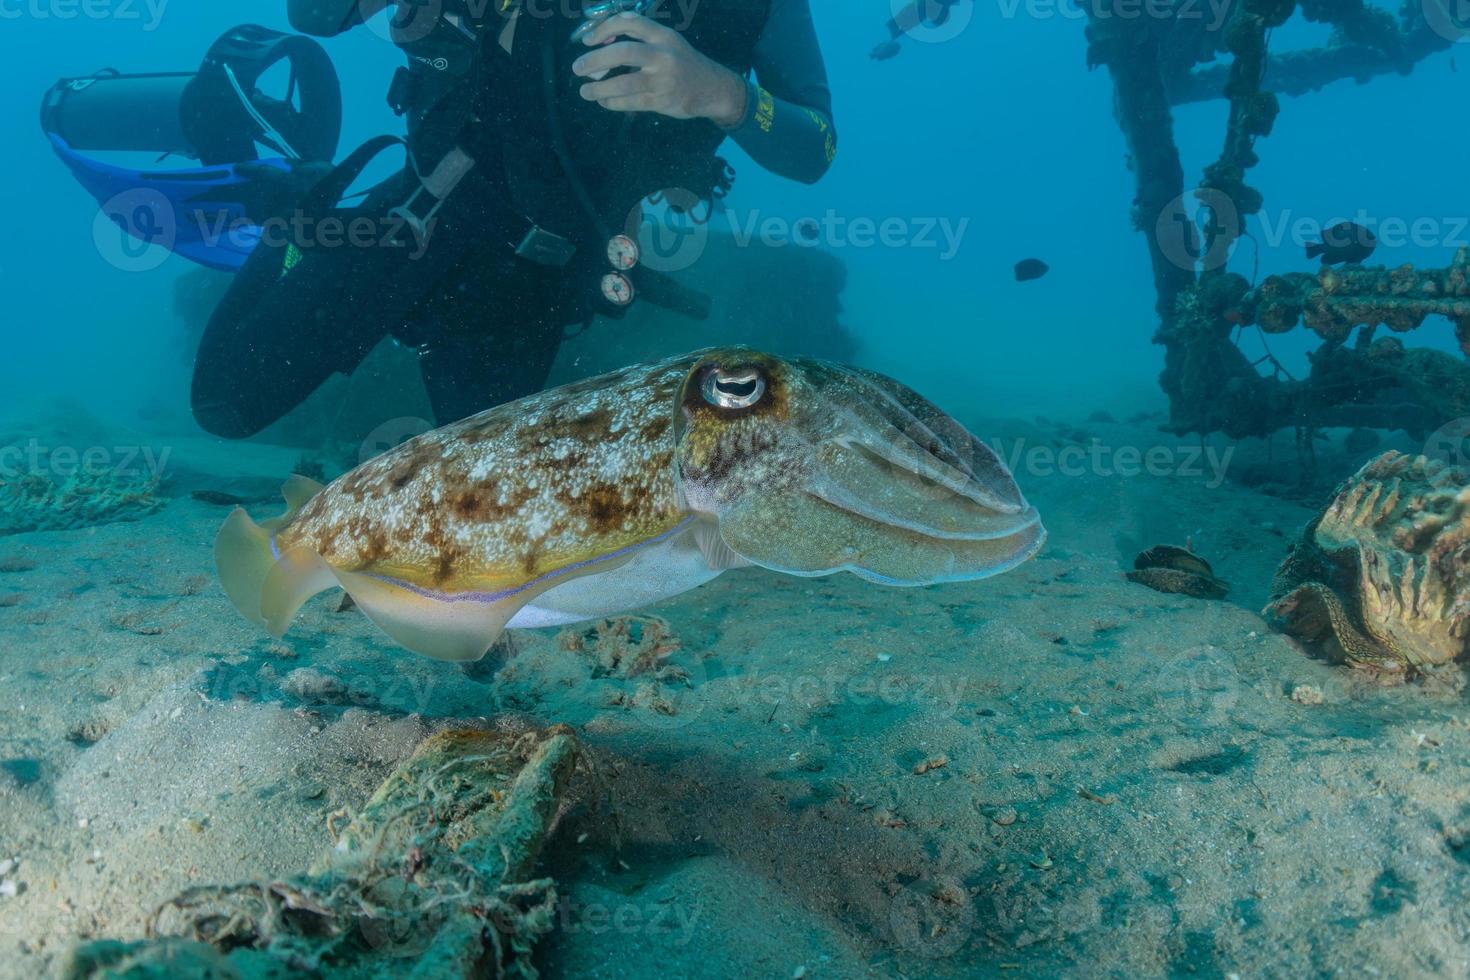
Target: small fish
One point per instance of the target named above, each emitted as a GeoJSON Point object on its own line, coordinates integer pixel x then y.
{"type": "Point", "coordinates": [624, 490]}
{"type": "Point", "coordinates": [808, 230]}
{"type": "Point", "coordinates": [1343, 242]}
{"type": "Point", "coordinates": [1029, 269]}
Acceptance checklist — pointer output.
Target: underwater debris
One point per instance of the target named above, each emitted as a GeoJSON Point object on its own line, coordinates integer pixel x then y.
{"type": "Point", "coordinates": [624, 646]}
{"type": "Point", "coordinates": [314, 686]}
{"type": "Point", "coordinates": [1333, 302]}
{"type": "Point", "coordinates": [140, 622]}
{"type": "Point", "coordinates": [170, 958]}
{"type": "Point", "coordinates": [432, 878]}
{"type": "Point", "coordinates": [1360, 441]}
{"type": "Point", "coordinates": [1211, 384]}
{"type": "Point", "coordinates": [1308, 694]}
{"type": "Point", "coordinates": [1367, 41]}
{"type": "Point", "coordinates": [1381, 581]}
{"type": "Point", "coordinates": [88, 732]}
{"type": "Point", "coordinates": [1177, 571]}
{"type": "Point", "coordinates": [1004, 816]}
{"type": "Point", "coordinates": [37, 502]}
{"type": "Point", "coordinates": [1101, 799]}
{"type": "Point", "coordinates": [218, 498]}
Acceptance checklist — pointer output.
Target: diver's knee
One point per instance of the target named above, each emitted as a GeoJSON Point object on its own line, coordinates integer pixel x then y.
{"type": "Point", "coordinates": [222, 418]}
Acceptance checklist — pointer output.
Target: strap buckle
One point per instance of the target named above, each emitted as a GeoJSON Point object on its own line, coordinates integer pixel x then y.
{"type": "Point", "coordinates": [545, 247]}
{"type": "Point", "coordinates": [438, 185]}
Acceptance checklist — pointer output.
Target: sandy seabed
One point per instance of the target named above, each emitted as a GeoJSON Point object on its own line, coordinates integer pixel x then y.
{"type": "Point", "coordinates": [1052, 773]}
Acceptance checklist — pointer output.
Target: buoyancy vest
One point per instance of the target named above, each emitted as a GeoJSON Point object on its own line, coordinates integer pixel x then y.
{"type": "Point", "coordinates": [522, 111]}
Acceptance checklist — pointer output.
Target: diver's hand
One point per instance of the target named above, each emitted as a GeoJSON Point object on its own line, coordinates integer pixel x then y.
{"type": "Point", "coordinates": [669, 76]}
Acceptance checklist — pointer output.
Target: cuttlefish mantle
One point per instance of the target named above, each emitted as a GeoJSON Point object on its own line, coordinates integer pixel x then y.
{"type": "Point", "coordinates": [626, 489]}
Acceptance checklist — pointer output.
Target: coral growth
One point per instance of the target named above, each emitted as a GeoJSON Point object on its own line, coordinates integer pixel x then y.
{"type": "Point", "coordinates": [1335, 301]}
{"type": "Point", "coordinates": [1381, 581]}
{"type": "Point", "coordinates": [626, 646]}
{"type": "Point", "coordinates": [1157, 63]}
{"type": "Point", "coordinates": [1374, 383]}
{"type": "Point", "coordinates": [81, 498]}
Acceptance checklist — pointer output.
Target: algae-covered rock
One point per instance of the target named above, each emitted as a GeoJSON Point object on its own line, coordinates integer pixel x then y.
{"type": "Point", "coordinates": [1381, 581]}
{"type": "Point", "coordinates": [432, 878]}
{"type": "Point", "coordinates": [52, 494]}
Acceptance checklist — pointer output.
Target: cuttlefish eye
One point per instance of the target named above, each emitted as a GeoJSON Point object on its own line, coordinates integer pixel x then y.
{"type": "Point", "coordinates": [733, 388]}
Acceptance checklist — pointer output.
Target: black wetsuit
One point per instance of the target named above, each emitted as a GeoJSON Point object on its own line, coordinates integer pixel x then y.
{"type": "Point", "coordinates": [486, 321]}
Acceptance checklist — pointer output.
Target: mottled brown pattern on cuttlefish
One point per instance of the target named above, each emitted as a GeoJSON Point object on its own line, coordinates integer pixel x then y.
{"type": "Point", "coordinates": [513, 493]}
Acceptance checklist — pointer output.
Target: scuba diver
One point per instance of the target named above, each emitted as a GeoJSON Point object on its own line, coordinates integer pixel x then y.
{"type": "Point", "coordinates": [535, 132]}
{"type": "Point", "coordinates": [917, 14]}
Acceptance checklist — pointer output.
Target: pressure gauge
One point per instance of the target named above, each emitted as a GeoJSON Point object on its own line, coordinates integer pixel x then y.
{"type": "Point", "coordinates": [617, 289]}
{"type": "Point", "coordinates": [623, 253]}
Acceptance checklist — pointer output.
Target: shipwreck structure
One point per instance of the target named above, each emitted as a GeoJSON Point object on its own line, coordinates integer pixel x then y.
{"type": "Point", "coordinates": [1160, 62]}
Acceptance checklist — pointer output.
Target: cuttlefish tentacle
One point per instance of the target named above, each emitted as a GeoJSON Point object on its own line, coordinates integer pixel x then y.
{"type": "Point", "coordinates": [923, 472]}
{"type": "Point", "coordinates": [627, 489]}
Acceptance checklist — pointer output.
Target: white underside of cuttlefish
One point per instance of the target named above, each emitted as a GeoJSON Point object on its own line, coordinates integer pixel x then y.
{"type": "Point", "coordinates": [621, 491]}
{"type": "Point", "coordinates": [654, 572]}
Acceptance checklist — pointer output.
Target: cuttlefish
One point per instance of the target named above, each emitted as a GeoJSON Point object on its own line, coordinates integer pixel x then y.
{"type": "Point", "coordinates": [623, 490]}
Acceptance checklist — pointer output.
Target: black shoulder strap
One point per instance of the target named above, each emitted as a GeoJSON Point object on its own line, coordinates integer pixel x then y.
{"type": "Point", "coordinates": [324, 196]}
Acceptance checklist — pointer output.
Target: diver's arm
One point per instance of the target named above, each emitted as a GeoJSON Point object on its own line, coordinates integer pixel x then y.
{"type": "Point", "coordinates": [787, 125]}
{"type": "Point", "coordinates": [784, 122]}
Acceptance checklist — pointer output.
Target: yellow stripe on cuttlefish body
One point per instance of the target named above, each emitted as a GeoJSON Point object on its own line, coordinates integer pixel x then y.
{"type": "Point", "coordinates": [623, 490]}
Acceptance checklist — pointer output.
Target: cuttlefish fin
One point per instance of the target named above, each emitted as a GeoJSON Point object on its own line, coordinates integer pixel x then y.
{"type": "Point", "coordinates": [269, 589]}
{"type": "Point", "coordinates": [298, 491]}
{"type": "Point", "coordinates": [247, 561]}
{"type": "Point", "coordinates": [244, 559]}
{"type": "Point", "coordinates": [270, 593]}
{"type": "Point", "coordinates": [296, 577]}
{"type": "Point", "coordinates": [453, 628]}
